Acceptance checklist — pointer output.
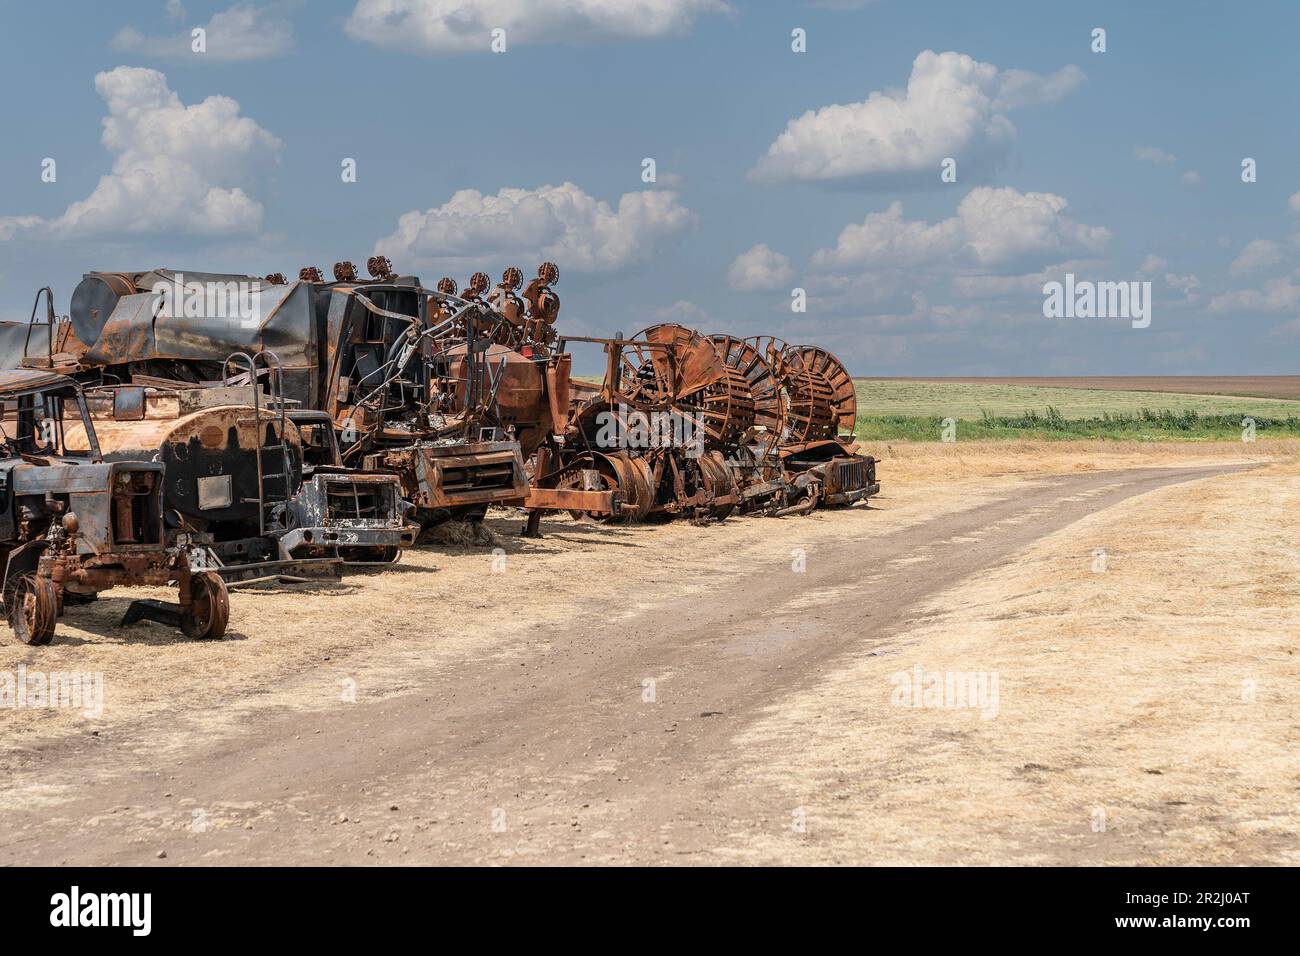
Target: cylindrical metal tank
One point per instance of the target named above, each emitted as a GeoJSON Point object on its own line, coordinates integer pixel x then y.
{"type": "Point", "coordinates": [94, 299]}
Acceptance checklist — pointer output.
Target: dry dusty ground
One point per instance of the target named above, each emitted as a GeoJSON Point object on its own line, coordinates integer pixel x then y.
{"type": "Point", "coordinates": [679, 694]}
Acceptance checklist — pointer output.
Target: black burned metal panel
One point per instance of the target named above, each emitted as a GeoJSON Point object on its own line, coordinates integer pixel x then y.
{"type": "Point", "coordinates": [190, 461]}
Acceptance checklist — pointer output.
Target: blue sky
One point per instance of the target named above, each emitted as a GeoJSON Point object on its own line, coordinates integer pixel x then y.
{"type": "Point", "coordinates": [1116, 166]}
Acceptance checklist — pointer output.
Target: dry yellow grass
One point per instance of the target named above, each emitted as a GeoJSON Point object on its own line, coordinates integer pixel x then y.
{"type": "Point", "coordinates": [1146, 708]}
{"type": "Point", "coordinates": [925, 461]}
{"type": "Point", "coordinates": [1041, 624]}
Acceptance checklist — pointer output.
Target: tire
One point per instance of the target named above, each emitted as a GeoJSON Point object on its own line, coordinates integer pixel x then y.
{"type": "Point", "coordinates": [33, 610]}
{"type": "Point", "coordinates": [210, 611]}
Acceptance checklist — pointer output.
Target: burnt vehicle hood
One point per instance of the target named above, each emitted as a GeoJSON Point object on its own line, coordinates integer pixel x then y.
{"type": "Point", "coordinates": [64, 476]}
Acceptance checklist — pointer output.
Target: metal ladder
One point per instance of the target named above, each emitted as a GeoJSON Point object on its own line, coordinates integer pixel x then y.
{"type": "Point", "coordinates": [275, 379]}
{"type": "Point", "coordinates": [50, 324]}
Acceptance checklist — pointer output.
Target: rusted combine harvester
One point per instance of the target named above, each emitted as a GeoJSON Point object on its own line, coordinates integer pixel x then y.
{"type": "Point", "coordinates": [520, 382]}
{"type": "Point", "coordinates": [386, 387]}
{"type": "Point", "coordinates": [359, 351]}
{"type": "Point", "coordinates": [72, 524]}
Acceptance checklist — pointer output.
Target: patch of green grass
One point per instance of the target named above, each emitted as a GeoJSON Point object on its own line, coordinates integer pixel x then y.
{"type": "Point", "coordinates": [1144, 425]}
{"type": "Point", "coordinates": [967, 401]}
{"type": "Point", "coordinates": [918, 411]}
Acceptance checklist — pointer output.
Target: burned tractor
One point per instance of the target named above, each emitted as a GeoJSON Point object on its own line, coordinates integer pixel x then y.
{"type": "Point", "coordinates": [256, 487]}
{"type": "Point", "coordinates": [72, 524]}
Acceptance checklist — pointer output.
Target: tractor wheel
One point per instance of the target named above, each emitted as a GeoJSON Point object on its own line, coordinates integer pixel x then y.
{"type": "Point", "coordinates": [33, 609]}
{"type": "Point", "coordinates": [210, 611]}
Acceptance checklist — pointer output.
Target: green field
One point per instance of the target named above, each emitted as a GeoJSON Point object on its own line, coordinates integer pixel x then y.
{"type": "Point", "coordinates": [917, 410]}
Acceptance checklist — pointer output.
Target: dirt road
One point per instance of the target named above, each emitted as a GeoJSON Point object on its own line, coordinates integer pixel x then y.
{"type": "Point", "coordinates": [608, 736]}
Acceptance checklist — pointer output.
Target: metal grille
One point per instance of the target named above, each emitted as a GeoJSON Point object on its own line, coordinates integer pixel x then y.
{"type": "Point", "coordinates": [853, 475]}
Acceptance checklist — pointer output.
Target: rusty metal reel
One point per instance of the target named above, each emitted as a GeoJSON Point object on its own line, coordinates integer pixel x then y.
{"type": "Point", "coordinates": [744, 357]}
{"type": "Point", "coordinates": [836, 378]}
{"type": "Point", "coordinates": [675, 368]}
{"type": "Point", "coordinates": [809, 412]}
{"type": "Point", "coordinates": [771, 350]}
{"type": "Point", "coordinates": [718, 481]}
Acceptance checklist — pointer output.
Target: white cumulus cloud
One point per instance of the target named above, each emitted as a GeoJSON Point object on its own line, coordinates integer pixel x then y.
{"type": "Point", "coordinates": [953, 106]}
{"type": "Point", "coordinates": [1187, 284]}
{"type": "Point", "coordinates": [560, 223]}
{"type": "Point", "coordinates": [177, 169]}
{"type": "Point", "coordinates": [243, 32]}
{"type": "Point", "coordinates": [994, 227]}
{"type": "Point", "coordinates": [1258, 255]}
{"type": "Point", "coordinates": [1278, 295]}
{"type": "Point", "coordinates": [686, 313]}
{"type": "Point", "coordinates": [760, 269]}
{"type": "Point", "coordinates": [1153, 265]}
{"type": "Point", "coordinates": [1154, 154]}
{"type": "Point", "coordinates": [465, 26]}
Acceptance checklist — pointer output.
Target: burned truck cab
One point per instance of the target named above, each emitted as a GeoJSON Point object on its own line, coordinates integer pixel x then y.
{"type": "Point", "coordinates": [72, 525]}
{"type": "Point", "coordinates": [360, 513]}
{"type": "Point", "coordinates": [257, 489]}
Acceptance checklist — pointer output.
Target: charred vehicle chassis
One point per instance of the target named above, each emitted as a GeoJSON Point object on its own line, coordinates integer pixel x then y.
{"type": "Point", "coordinates": [73, 525]}
{"type": "Point", "coordinates": [257, 490]}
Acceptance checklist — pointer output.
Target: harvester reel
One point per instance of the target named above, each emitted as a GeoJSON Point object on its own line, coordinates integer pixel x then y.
{"type": "Point", "coordinates": [719, 481]}
{"type": "Point", "coordinates": [671, 367]}
{"type": "Point", "coordinates": [811, 414]}
{"type": "Point", "coordinates": [810, 411]}
{"type": "Point", "coordinates": [771, 350]}
{"type": "Point", "coordinates": [824, 365]}
{"type": "Point", "coordinates": [765, 388]}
